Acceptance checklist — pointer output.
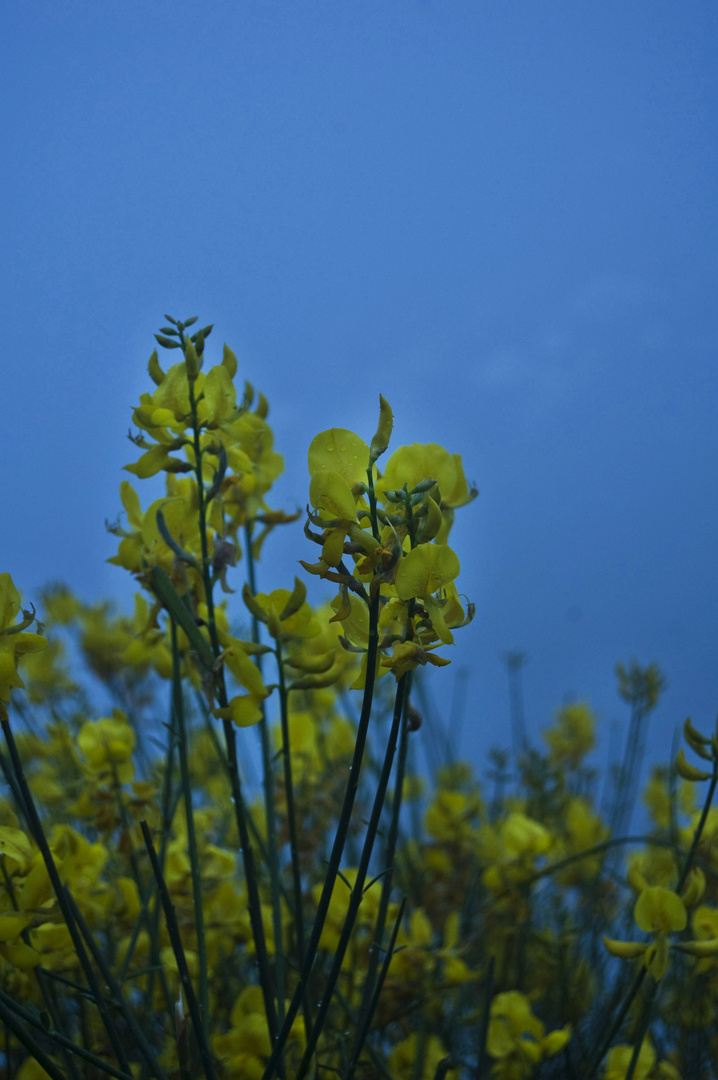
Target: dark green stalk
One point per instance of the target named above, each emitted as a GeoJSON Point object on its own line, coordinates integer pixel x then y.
{"type": "Point", "coordinates": [38, 972]}
{"type": "Point", "coordinates": [617, 1023]}
{"type": "Point", "coordinates": [178, 703]}
{"type": "Point", "coordinates": [339, 838]}
{"type": "Point", "coordinates": [168, 806]}
{"type": "Point", "coordinates": [485, 1019]}
{"type": "Point", "coordinates": [178, 950]}
{"type": "Point", "coordinates": [251, 823]}
{"type": "Point", "coordinates": [642, 1029]}
{"type": "Point", "coordinates": [12, 1023]}
{"type": "Point", "coordinates": [654, 988]}
{"type": "Point", "coordinates": [373, 987]}
{"type": "Point", "coordinates": [357, 891]}
{"type": "Point", "coordinates": [369, 994]}
{"type": "Point", "coordinates": [635, 986]}
{"type": "Point", "coordinates": [255, 910]}
{"type": "Point", "coordinates": [116, 990]}
{"type": "Point", "coordinates": [250, 874]}
{"type": "Point", "coordinates": [38, 835]}
{"type": "Point", "coordinates": [298, 908]}
{"type": "Point", "coordinates": [699, 829]}
{"type": "Point", "coordinates": [272, 852]}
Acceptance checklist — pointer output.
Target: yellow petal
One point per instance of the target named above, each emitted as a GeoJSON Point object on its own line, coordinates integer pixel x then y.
{"type": "Point", "coordinates": [660, 909]}
{"type": "Point", "coordinates": [332, 496]}
{"type": "Point", "coordinates": [9, 601]}
{"type": "Point", "coordinates": [340, 451]}
{"type": "Point", "coordinates": [626, 950]}
{"type": "Point", "coordinates": [425, 570]}
{"type": "Point", "coordinates": [131, 503]}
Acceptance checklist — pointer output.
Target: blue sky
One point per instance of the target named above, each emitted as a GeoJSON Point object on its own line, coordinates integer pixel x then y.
{"type": "Point", "coordinates": [499, 215]}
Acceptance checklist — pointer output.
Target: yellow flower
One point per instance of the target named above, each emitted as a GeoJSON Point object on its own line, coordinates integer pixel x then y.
{"type": "Point", "coordinates": [658, 909]}
{"type": "Point", "coordinates": [403, 1063]}
{"type": "Point", "coordinates": [424, 572]}
{"type": "Point", "coordinates": [516, 1036]}
{"type": "Point", "coordinates": [428, 461]}
{"type": "Point", "coordinates": [573, 734]}
{"type": "Point", "coordinates": [14, 641]}
{"type": "Point", "coordinates": [108, 744]}
{"type": "Point", "coordinates": [619, 1058]}
{"type": "Point", "coordinates": [340, 452]}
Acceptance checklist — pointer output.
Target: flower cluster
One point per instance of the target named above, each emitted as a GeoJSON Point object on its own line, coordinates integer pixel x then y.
{"type": "Point", "coordinates": [165, 913]}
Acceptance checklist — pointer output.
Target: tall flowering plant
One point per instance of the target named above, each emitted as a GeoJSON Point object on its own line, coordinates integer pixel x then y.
{"type": "Point", "coordinates": [162, 915]}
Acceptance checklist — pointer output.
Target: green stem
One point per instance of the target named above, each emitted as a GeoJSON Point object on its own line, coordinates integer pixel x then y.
{"type": "Point", "coordinates": [292, 824]}
{"type": "Point", "coordinates": [177, 948]}
{"type": "Point", "coordinates": [38, 835]}
{"type": "Point", "coordinates": [357, 892]}
{"type": "Point", "coordinates": [178, 704]}
{"type": "Point", "coordinates": [699, 830]}
{"type": "Point", "coordinates": [12, 1023]}
{"type": "Point", "coordinates": [370, 992]}
{"type": "Point", "coordinates": [339, 838]}
{"type": "Point", "coordinates": [638, 980]}
{"type": "Point", "coordinates": [116, 990]}
{"type": "Point", "coordinates": [615, 1027]}
{"type": "Point", "coordinates": [272, 851]}
{"type": "Point", "coordinates": [255, 909]}
{"type": "Point", "coordinates": [373, 987]}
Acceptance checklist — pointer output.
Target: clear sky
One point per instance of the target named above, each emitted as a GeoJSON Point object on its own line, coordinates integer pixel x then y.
{"type": "Point", "coordinates": [501, 215]}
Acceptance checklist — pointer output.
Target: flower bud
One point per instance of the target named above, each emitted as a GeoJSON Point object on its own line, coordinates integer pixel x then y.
{"type": "Point", "coordinates": [383, 432]}
{"type": "Point", "coordinates": [156, 372]}
{"type": "Point", "coordinates": [229, 361]}
{"type": "Point", "coordinates": [697, 741]}
{"type": "Point", "coordinates": [688, 771]}
{"type": "Point", "coordinates": [626, 950]}
{"type": "Point", "coordinates": [192, 360]}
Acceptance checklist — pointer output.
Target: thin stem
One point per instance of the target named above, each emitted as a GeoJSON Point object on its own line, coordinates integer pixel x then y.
{"type": "Point", "coordinates": [339, 838]}
{"type": "Point", "coordinates": [255, 909]}
{"type": "Point", "coordinates": [370, 995]}
{"type": "Point", "coordinates": [357, 892]}
{"type": "Point", "coordinates": [178, 704]}
{"type": "Point", "coordinates": [292, 823]}
{"type": "Point", "coordinates": [272, 851]}
{"type": "Point", "coordinates": [176, 942]}
{"type": "Point", "coordinates": [615, 1027]}
{"type": "Point", "coordinates": [367, 1010]}
{"type": "Point", "coordinates": [12, 1023]}
{"type": "Point", "coordinates": [38, 835]}
{"type": "Point", "coordinates": [118, 998]}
